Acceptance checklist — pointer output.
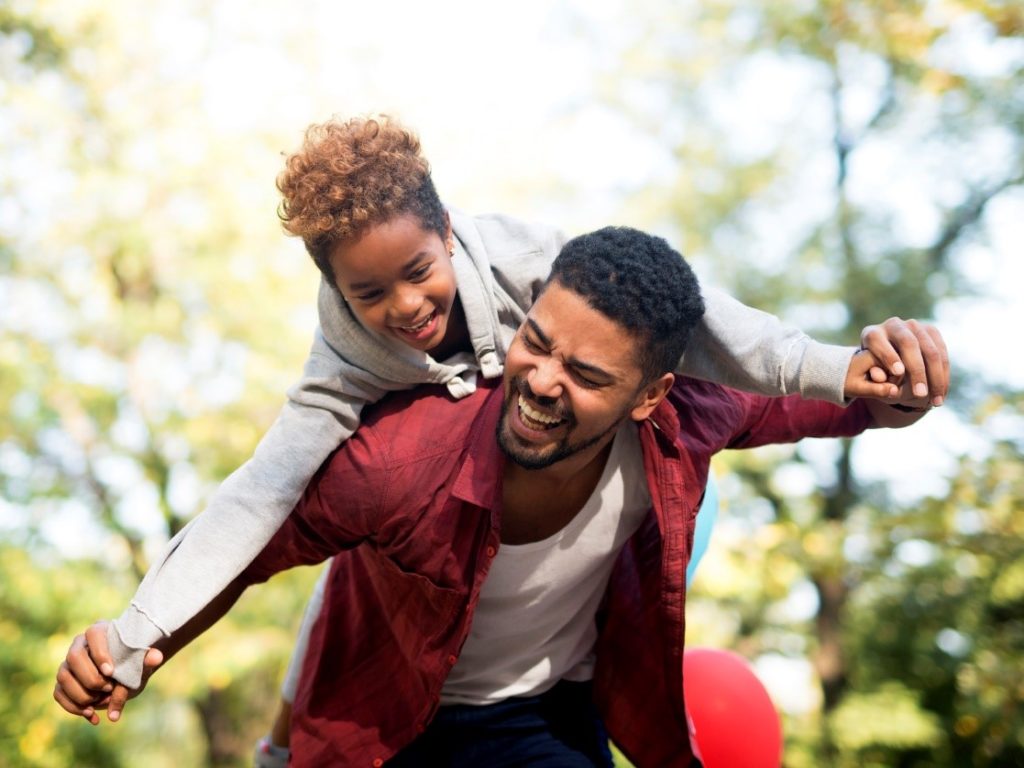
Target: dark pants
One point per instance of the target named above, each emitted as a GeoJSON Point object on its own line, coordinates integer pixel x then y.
{"type": "Point", "coordinates": [559, 729]}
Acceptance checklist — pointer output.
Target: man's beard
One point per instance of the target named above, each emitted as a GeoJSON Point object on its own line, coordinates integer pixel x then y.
{"type": "Point", "coordinates": [527, 457]}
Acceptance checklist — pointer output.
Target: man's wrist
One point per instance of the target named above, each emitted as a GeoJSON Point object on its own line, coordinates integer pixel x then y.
{"type": "Point", "coordinates": [909, 408]}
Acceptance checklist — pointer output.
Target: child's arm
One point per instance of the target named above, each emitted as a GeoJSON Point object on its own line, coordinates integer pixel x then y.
{"type": "Point", "coordinates": [748, 349]}
{"type": "Point", "coordinates": [242, 516]}
{"type": "Point", "coordinates": [735, 345]}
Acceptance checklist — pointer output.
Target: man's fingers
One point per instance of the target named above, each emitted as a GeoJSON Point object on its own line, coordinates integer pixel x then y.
{"type": "Point", "coordinates": [154, 658]}
{"type": "Point", "coordinates": [115, 706]}
{"type": "Point", "coordinates": [876, 340]}
{"type": "Point", "coordinates": [906, 336]}
{"type": "Point", "coordinates": [80, 664]}
{"type": "Point", "coordinates": [96, 639]}
{"type": "Point", "coordinates": [941, 388]}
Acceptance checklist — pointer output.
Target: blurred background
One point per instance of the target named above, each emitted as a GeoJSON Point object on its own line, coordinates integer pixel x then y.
{"type": "Point", "coordinates": [836, 162]}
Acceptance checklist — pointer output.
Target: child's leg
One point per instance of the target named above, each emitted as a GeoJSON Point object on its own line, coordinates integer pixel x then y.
{"type": "Point", "coordinates": [272, 751]}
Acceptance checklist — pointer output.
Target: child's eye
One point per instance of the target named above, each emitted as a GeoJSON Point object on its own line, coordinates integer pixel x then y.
{"type": "Point", "coordinates": [420, 274]}
{"type": "Point", "coordinates": [369, 296]}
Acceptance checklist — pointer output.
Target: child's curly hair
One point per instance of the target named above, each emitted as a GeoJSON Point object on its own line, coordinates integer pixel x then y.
{"type": "Point", "coordinates": [350, 175]}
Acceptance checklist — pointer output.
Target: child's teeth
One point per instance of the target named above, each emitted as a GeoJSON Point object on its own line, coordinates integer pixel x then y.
{"type": "Point", "coordinates": [419, 325]}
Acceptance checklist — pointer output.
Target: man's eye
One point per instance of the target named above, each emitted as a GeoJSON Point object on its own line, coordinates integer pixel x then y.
{"type": "Point", "coordinates": [583, 380]}
{"type": "Point", "coordinates": [530, 344]}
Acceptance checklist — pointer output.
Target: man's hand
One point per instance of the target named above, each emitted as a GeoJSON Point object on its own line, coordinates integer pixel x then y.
{"type": "Point", "coordinates": [84, 679]}
{"type": "Point", "coordinates": [908, 359]}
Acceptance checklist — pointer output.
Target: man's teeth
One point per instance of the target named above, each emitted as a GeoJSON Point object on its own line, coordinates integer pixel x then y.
{"type": "Point", "coordinates": [536, 416]}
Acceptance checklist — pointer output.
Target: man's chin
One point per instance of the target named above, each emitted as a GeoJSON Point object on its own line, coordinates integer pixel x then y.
{"type": "Point", "coordinates": [525, 455]}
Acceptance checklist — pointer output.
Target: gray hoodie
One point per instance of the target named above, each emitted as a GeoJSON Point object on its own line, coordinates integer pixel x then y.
{"type": "Point", "coordinates": [500, 265]}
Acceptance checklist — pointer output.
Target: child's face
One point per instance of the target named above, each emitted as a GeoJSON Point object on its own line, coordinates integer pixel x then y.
{"type": "Point", "coordinates": [398, 280]}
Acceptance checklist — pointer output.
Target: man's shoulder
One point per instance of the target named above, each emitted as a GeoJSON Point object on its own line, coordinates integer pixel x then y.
{"type": "Point", "coordinates": [704, 411]}
{"type": "Point", "coordinates": [425, 421]}
{"type": "Point", "coordinates": [696, 398]}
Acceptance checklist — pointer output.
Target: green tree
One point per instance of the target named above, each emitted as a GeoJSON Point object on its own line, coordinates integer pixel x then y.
{"type": "Point", "coordinates": [135, 370]}
{"type": "Point", "coordinates": [833, 161]}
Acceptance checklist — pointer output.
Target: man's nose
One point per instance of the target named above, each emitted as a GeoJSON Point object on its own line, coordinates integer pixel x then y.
{"type": "Point", "coordinates": [545, 381]}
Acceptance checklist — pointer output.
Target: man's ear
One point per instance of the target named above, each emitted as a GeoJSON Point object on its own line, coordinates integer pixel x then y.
{"type": "Point", "coordinates": [652, 394]}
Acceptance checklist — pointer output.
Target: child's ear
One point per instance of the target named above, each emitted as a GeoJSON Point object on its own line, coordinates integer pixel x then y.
{"type": "Point", "coordinates": [449, 236]}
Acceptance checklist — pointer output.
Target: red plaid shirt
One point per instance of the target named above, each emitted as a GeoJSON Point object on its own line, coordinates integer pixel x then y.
{"type": "Point", "coordinates": [410, 507]}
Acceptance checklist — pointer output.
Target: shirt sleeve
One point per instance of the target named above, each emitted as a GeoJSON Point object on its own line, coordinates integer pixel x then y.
{"type": "Point", "coordinates": [339, 510]}
{"type": "Point", "coordinates": [764, 420]}
{"type": "Point", "coordinates": [250, 505]}
{"type": "Point", "coordinates": [742, 347]}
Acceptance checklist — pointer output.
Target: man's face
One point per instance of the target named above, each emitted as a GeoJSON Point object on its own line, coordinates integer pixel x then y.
{"type": "Point", "coordinates": [571, 378]}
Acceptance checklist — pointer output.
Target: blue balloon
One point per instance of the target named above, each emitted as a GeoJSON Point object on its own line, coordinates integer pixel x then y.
{"type": "Point", "coordinates": [706, 516]}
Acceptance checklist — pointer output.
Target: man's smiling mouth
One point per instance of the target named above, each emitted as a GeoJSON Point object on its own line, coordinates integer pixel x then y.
{"type": "Point", "coordinates": [534, 419]}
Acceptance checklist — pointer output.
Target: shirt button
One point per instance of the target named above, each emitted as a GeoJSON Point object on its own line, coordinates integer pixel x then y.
{"type": "Point", "coordinates": [420, 728]}
{"type": "Point", "coordinates": [377, 762]}
{"type": "Point", "coordinates": [452, 659]}
{"type": "Point", "coordinates": [491, 551]}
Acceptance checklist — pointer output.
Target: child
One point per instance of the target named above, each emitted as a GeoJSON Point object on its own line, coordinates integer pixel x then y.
{"type": "Point", "coordinates": [411, 293]}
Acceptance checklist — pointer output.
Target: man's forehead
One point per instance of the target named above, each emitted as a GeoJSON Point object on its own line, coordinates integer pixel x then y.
{"type": "Point", "coordinates": [575, 328]}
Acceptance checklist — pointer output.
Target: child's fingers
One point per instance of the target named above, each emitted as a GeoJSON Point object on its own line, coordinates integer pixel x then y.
{"type": "Point", "coordinates": [61, 697]}
{"type": "Point", "coordinates": [878, 375]}
{"type": "Point", "coordinates": [74, 690]}
{"type": "Point", "coordinates": [96, 639]}
{"type": "Point", "coordinates": [872, 389]}
{"type": "Point", "coordinates": [864, 378]}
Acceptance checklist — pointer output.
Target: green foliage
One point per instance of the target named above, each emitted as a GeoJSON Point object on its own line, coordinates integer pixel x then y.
{"type": "Point", "coordinates": [148, 303]}
{"type": "Point", "coordinates": [890, 717]}
{"type": "Point", "coordinates": [799, 216]}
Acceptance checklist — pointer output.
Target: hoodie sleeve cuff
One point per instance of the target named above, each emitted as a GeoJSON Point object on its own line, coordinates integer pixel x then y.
{"type": "Point", "coordinates": [822, 372]}
{"type": "Point", "coordinates": [128, 639]}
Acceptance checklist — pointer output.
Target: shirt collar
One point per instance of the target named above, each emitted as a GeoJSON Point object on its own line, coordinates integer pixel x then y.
{"type": "Point", "coordinates": [479, 480]}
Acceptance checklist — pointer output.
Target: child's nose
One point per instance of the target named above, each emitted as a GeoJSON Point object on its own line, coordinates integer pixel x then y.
{"type": "Point", "coordinates": [407, 304]}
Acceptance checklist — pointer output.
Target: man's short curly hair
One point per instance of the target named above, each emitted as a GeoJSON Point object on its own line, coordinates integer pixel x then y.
{"type": "Point", "coordinates": [642, 283]}
{"type": "Point", "coordinates": [353, 174]}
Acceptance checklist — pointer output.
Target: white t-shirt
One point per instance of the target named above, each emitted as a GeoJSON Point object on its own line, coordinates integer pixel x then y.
{"type": "Point", "coordinates": [534, 624]}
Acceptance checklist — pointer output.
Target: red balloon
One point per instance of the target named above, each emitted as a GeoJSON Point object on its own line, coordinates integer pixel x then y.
{"type": "Point", "coordinates": [733, 721]}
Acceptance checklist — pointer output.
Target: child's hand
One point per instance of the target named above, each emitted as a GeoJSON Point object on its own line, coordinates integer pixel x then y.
{"type": "Point", "coordinates": [84, 679]}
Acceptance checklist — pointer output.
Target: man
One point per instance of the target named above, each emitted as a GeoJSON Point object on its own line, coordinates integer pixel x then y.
{"type": "Point", "coordinates": [509, 570]}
